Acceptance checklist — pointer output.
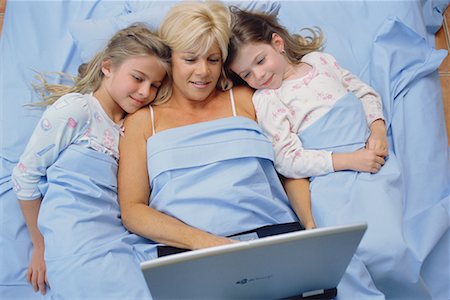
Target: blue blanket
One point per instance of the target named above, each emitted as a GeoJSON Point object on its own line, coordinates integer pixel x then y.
{"type": "Point", "coordinates": [392, 50]}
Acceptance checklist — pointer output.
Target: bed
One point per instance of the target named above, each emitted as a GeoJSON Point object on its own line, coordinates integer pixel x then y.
{"type": "Point", "coordinates": [389, 44]}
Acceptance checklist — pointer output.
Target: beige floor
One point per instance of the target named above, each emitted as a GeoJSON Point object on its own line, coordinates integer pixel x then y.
{"type": "Point", "coordinates": [442, 42]}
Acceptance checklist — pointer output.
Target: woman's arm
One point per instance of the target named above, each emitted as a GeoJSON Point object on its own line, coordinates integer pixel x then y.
{"type": "Point", "coordinates": [299, 196]}
{"type": "Point", "coordinates": [243, 100]}
{"type": "Point", "coordinates": [134, 193]}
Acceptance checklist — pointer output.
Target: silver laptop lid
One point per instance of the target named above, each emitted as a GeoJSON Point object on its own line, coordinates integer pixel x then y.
{"type": "Point", "coordinates": [285, 265]}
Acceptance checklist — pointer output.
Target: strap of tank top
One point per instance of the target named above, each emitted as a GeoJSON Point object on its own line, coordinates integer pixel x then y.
{"type": "Point", "coordinates": [233, 106]}
{"type": "Point", "coordinates": [152, 116]}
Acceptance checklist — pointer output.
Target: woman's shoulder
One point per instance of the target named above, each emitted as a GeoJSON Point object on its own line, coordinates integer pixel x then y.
{"type": "Point", "coordinates": [243, 92]}
{"type": "Point", "coordinates": [140, 121]}
{"type": "Point", "coordinates": [243, 98]}
{"type": "Point", "coordinates": [141, 116]}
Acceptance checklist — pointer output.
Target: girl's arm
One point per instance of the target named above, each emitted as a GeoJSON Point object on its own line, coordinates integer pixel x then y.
{"type": "Point", "coordinates": [373, 108]}
{"type": "Point", "coordinates": [36, 274]}
{"type": "Point", "coordinates": [291, 159]}
{"type": "Point", "coordinates": [297, 189]}
{"type": "Point", "coordinates": [58, 127]}
{"type": "Point", "coordinates": [299, 196]}
{"type": "Point", "coordinates": [370, 99]}
{"type": "Point", "coordinates": [134, 193]}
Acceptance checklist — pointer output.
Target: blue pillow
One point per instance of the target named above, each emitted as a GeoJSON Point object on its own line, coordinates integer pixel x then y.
{"type": "Point", "coordinates": [91, 35]}
{"type": "Point", "coordinates": [268, 7]}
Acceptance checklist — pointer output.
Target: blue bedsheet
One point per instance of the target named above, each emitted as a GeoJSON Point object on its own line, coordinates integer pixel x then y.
{"type": "Point", "coordinates": [389, 44]}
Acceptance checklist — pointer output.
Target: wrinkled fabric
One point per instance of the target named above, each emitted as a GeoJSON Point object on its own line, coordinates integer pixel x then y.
{"type": "Point", "coordinates": [15, 244]}
{"type": "Point", "coordinates": [413, 107]}
{"type": "Point", "coordinates": [417, 122]}
{"type": "Point", "coordinates": [88, 252]}
{"type": "Point", "coordinates": [350, 196]}
{"type": "Point", "coordinates": [217, 176]}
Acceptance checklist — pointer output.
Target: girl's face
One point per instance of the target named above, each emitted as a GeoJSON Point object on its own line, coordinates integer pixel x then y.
{"type": "Point", "coordinates": [261, 65]}
{"type": "Point", "coordinates": [135, 82]}
{"type": "Point", "coordinates": [195, 76]}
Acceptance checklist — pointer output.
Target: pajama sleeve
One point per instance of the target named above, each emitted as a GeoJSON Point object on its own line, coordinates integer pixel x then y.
{"type": "Point", "coordinates": [370, 99]}
{"type": "Point", "coordinates": [291, 159]}
{"type": "Point", "coordinates": [59, 126]}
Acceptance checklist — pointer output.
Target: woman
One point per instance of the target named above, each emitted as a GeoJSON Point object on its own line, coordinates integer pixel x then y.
{"type": "Point", "coordinates": [197, 168]}
{"type": "Point", "coordinates": [208, 164]}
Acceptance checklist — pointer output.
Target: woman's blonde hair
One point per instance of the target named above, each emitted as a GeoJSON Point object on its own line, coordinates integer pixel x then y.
{"type": "Point", "coordinates": [196, 26]}
{"type": "Point", "coordinates": [135, 40]}
{"type": "Point", "coordinates": [254, 27]}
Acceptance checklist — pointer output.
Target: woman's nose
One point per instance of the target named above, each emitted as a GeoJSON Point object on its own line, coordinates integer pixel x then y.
{"type": "Point", "coordinates": [203, 67]}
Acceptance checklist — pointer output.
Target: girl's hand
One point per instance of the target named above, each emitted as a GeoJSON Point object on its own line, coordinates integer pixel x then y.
{"type": "Point", "coordinates": [37, 275]}
{"type": "Point", "coordinates": [377, 140]}
{"type": "Point", "coordinates": [362, 160]}
{"type": "Point", "coordinates": [365, 160]}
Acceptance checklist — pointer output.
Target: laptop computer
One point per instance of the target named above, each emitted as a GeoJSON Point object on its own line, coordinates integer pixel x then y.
{"type": "Point", "coordinates": [305, 264]}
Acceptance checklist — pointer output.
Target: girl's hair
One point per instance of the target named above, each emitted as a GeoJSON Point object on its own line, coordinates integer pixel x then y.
{"type": "Point", "coordinates": [135, 40]}
{"type": "Point", "coordinates": [253, 27]}
{"type": "Point", "coordinates": [196, 26]}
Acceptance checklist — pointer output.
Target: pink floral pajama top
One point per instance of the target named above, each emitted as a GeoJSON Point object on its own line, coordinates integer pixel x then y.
{"type": "Point", "coordinates": [285, 112]}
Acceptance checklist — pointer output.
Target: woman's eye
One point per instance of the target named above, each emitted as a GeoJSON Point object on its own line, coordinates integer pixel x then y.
{"type": "Point", "coordinates": [214, 60]}
{"type": "Point", "coordinates": [245, 76]}
{"type": "Point", "coordinates": [261, 61]}
{"type": "Point", "coordinates": [137, 78]}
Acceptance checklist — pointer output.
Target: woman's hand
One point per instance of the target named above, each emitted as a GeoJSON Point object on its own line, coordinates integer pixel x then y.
{"type": "Point", "coordinates": [213, 240]}
{"type": "Point", "coordinates": [377, 140]}
{"type": "Point", "coordinates": [310, 225]}
{"type": "Point", "coordinates": [37, 273]}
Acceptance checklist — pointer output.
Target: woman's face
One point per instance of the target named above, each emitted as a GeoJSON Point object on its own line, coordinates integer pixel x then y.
{"type": "Point", "coordinates": [195, 76]}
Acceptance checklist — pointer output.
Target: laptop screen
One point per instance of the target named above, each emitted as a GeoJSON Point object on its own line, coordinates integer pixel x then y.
{"type": "Point", "coordinates": [282, 266]}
